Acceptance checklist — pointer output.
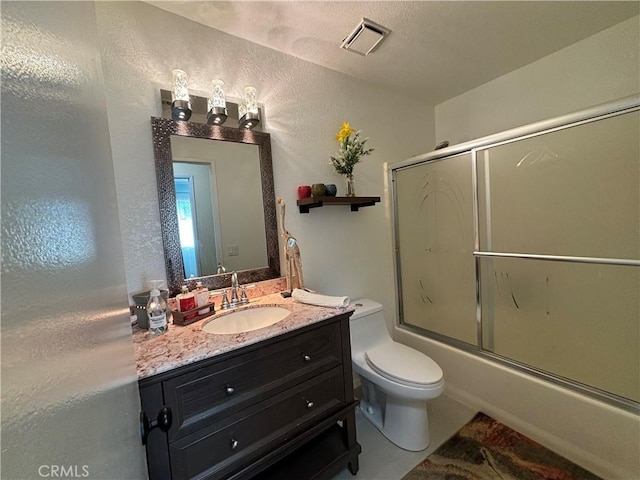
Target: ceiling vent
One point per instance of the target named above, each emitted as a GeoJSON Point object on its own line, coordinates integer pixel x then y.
{"type": "Point", "coordinates": [366, 37]}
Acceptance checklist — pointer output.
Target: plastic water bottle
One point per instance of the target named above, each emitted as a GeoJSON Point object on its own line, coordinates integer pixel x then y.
{"type": "Point", "coordinates": [157, 310]}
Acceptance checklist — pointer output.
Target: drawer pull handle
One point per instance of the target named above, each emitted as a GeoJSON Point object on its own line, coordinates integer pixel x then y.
{"type": "Point", "coordinates": [234, 443]}
{"type": "Point", "coordinates": [307, 358]}
{"type": "Point", "coordinates": [230, 390]}
{"type": "Point", "coordinates": [309, 404]}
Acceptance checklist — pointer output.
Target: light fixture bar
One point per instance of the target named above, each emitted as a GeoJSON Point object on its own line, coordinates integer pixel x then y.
{"type": "Point", "coordinates": [200, 104]}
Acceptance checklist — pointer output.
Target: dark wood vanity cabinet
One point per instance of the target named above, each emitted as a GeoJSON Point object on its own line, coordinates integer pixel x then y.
{"type": "Point", "coordinates": [279, 409]}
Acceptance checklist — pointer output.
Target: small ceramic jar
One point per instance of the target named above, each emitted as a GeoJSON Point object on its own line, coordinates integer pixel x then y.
{"type": "Point", "coordinates": [304, 191]}
{"type": "Point", "coordinates": [331, 190]}
{"type": "Point", "coordinates": [318, 189]}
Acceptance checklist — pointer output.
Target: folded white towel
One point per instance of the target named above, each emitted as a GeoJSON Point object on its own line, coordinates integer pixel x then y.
{"type": "Point", "coordinates": [318, 299]}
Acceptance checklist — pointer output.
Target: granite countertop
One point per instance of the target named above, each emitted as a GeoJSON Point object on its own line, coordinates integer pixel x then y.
{"type": "Point", "coordinates": [181, 346]}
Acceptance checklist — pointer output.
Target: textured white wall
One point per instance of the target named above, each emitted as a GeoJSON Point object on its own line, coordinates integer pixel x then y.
{"type": "Point", "coordinates": [601, 68]}
{"type": "Point", "coordinates": [343, 252]}
{"type": "Point", "coordinates": [69, 387]}
{"type": "Point", "coordinates": [598, 69]}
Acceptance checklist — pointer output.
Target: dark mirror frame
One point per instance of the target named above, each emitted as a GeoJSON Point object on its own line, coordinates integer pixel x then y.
{"type": "Point", "coordinates": [162, 129]}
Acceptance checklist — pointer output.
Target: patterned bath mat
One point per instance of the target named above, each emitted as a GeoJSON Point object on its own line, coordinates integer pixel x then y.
{"type": "Point", "coordinates": [485, 449]}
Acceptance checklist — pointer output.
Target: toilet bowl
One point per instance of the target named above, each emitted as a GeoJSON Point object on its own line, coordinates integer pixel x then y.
{"type": "Point", "coordinates": [396, 380]}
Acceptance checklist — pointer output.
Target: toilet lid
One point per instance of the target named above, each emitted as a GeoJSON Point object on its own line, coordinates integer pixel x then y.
{"type": "Point", "coordinates": [403, 364]}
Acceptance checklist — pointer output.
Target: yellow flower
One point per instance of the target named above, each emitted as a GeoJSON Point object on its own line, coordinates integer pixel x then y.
{"type": "Point", "coordinates": [344, 132]}
{"type": "Point", "coordinates": [351, 150]}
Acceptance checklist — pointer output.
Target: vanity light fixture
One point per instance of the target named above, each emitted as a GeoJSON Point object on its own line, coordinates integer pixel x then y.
{"type": "Point", "coordinates": [365, 38]}
{"type": "Point", "coordinates": [181, 106]}
{"type": "Point", "coordinates": [217, 104]}
{"type": "Point", "coordinates": [248, 112]}
{"type": "Point", "coordinates": [214, 107]}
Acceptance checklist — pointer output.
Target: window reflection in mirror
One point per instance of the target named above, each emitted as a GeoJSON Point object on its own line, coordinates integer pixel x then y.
{"type": "Point", "coordinates": [219, 205]}
{"type": "Point", "coordinates": [185, 208]}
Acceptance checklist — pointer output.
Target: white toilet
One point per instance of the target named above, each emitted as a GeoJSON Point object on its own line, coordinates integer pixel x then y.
{"type": "Point", "coordinates": [396, 380]}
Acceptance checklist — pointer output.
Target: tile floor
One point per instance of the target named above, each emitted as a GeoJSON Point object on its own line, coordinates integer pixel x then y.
{"type": "Point", "coordinates": [382, 460]}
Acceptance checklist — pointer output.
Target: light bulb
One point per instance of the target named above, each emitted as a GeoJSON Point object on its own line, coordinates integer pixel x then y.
{"type": "Point", "coordinates": [248, 112]}
{"type": "Point", "coordinates": [251, 100]}
{"type": "Point", "coordinates": [180, 89]}
{"type": "Point", "coordinates": [217, 98]}
{"type": "Point", "coordinates": [180, 107]}
{"type": "Point", "coordinates": [216, 104]}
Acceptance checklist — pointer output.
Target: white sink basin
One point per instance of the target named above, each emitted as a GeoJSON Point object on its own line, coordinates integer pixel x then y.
{"type": "Point", "coordinates": [245, 320]}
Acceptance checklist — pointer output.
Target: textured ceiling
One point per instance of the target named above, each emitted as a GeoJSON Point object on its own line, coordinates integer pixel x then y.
{"type": "Point", "coordinates": [436, 50]}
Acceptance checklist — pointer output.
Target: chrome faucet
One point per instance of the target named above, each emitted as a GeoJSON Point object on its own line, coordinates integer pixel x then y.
{"type": "Point", "coordinates": [234, 288]}
{"type": "Point", "coordinates": [235, 301]}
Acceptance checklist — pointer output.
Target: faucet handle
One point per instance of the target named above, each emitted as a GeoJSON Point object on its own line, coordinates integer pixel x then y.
{"type": "Point", "coordinates": [243, 298]}
{"type": "Point", "coordinates": [225, 300]}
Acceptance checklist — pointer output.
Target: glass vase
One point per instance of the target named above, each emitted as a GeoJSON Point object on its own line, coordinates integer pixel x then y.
{"type": "Point", "coordinates": [351, 188]}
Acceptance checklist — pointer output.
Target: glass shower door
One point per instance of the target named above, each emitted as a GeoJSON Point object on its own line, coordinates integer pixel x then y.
{"type": "Point", "coordinates": [434, 239]}
{"type": "Point", "coordinates": [559, 232]}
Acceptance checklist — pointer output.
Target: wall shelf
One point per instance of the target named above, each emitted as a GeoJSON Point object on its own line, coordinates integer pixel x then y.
{"type": "Point", "coordinates": [355, 202]}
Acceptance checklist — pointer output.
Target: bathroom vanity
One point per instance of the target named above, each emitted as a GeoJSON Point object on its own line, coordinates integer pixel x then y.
{"type": "Point", "coordinates": [273, 403]}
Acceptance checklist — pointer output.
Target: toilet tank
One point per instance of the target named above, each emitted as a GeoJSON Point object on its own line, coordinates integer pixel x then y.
{"type": "Point", "coordinates": [367, 325]}
{"type": "Point", "coordinates": [364, 307]}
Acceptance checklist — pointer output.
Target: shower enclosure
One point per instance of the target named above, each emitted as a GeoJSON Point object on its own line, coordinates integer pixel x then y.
{"type": "Point", "coordinates": [524, 248]}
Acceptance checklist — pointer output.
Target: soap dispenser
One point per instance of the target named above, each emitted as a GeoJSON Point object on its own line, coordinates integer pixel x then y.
{"type": "Point", "coordinates": [157, 310]}
{"type": "Point", "coordinates": [202, 298]}
{"type": "Point", "coordinates": [186, 299]}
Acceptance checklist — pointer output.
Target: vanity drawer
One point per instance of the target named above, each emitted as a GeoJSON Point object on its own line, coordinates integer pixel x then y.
{"type": "Point", "coordinates": [209, 394]}
{"type": "Point", "coordinates": [244, 436]}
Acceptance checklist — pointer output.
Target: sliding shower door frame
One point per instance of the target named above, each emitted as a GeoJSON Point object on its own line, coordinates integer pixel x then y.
{"type": "Point", "coordinates": [601, 112]}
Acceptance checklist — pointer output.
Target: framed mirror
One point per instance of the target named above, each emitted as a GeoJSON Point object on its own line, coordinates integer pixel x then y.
{"type": "Point", "coordinates": [234, 225]}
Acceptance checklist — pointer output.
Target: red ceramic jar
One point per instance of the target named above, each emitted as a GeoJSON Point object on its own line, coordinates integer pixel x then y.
{"type": "Point", "coordinates": [304, 191]}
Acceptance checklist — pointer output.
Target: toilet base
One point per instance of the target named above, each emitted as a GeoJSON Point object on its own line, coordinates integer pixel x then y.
{"type": "Point", "coordinates": [404, 422]}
